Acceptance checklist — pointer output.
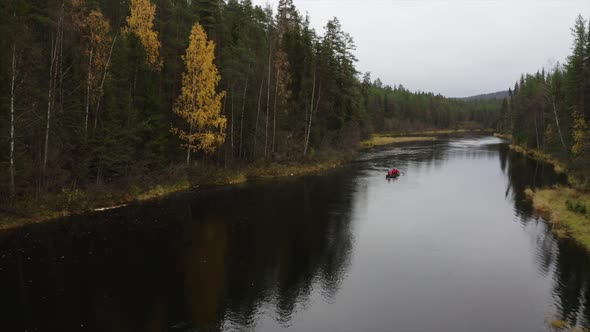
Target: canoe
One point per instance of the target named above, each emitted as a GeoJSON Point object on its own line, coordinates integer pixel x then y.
{"type": "Point", "coordinates": [392, 176]}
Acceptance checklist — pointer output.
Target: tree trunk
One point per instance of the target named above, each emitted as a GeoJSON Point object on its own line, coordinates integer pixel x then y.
{"type": "Point", "coordinates": [274, 116]}
{"type": "Point", "coordinates": [104, 77]}
{"type": "Point", "coordinates": [308, 127]}
{"type": "Point", "coordinates": [242, 116]}
{"type": "Point", "coordinates": [317, 106]}
{"type": "Point", "coordinates": [267, 94]}
{"type": "Point", "coordinates": [536, 130]}
{"type": "Point", "coordinates": [549, 94]}
{"type": "Point", "coordinates": [231, 134]}
{"type": "Point", "coordinates": [55, 46]}
{"type": "Point", "coordinates": [558, 126]}
{"type": "Point", "coordinates": [49, 101]}
{"type": "Point", "coordinates": [305, 127]}
{"type": "Point", "coordinates": [61, 71]}
{"type": "Point", "coordinates": [188, 150]}
{"type": "Point", "coordinates": [12, 84]}
{"type": "Point", "coordinates": [88, 81]}
{"type": "Point", "coordinates": [257, 116]}
{"type": "Point", "coordinates": [225, 143]}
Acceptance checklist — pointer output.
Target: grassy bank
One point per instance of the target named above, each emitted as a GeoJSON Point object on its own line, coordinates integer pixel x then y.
{"type": "Point", "coordinates": [381, 140]}
{"type": "Point", "coordinates": [567, 209]}
{"type": "Point", "coordinates": [503, 136]}
{"type": "Point", "coordinates": [75, 200]}
{"type": "Point", "coordinates": [576, 179]}
{"type": "Point", "coordinates": [384, 139]}
{"type": "Point", "coordinates": [440, 132]}
{"type": "Point", "coordinates": [558, 166]}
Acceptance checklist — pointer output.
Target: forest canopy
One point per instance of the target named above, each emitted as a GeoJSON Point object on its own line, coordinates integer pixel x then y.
{"type": "Point", "coordinates": [91, 90]}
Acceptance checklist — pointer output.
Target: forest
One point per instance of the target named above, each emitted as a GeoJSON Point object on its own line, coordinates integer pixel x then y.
{"type": "Point", "coordinates": [549, 111]}
{"type": "Point", "coordinates": [94, 91]}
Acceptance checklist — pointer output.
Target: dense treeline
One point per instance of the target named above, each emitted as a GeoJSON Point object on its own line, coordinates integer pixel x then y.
{"type": "Point", "coordinates": [549, 111]}
{"type": "Point", "coordinates": [397, 109]}
{"type": "Point", "coordinates": [94, 91]}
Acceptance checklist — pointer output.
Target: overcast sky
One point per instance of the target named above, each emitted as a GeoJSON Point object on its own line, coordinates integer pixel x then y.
{"type": "Point", "coordinates": [454, 47]}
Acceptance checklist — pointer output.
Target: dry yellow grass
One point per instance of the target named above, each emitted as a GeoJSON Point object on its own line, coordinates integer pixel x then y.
{"type": "Point", "coordinates": [504, 136]}
{"type": "Point", "coordinates": [556, 205]}
{"type": "Point", "coordinates": [378, 140]}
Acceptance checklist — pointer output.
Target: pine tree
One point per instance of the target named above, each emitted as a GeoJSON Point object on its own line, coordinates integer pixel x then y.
{"type": "Point", "coordinates": [576, 78]}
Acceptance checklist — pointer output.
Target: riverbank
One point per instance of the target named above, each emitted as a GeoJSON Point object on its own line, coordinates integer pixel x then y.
{"type": "Point", "coordinates": [566, 208]}
{"type": "Point", "coordinates": [384, 139]}
{"type": "Point", "coordinates": [559, 166]}
{"type": "Point", "coordinates": [381, 140]}
{"type": "Point", "coordinates": [77, 200]}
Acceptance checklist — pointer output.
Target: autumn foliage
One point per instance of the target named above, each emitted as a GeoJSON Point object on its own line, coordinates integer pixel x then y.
{"type": "Point", "coordinates": [98, 45]}
{"type": "Point", "coordinates": [199, 104]}
{"type": "Point", "coordinates": [141, 23]}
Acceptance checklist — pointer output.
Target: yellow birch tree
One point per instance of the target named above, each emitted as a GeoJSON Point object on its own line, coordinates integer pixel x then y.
{"type": "Point", "coordinates": [199, 104]}
{"type": "Point", "coordinates": [141, 23]}
{"type": "Point", "coordinates": [98, 45]}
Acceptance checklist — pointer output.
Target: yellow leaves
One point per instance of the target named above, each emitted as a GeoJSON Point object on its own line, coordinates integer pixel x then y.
{"type": "Point", "coordinates": [199, 104]}
{"type": "Point", "coordinates": [580, 134]}
{"type": "Point", "coordinates": [141, 23]}
{"type": "Point", "coordinates": [96, 30]}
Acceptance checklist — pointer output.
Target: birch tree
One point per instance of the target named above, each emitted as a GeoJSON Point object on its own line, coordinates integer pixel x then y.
{"type": "Point", "coordinates": [141, 23]}
{"type": "Point", "coordinates": [98, 50]}
{"type": "Point", "coordinates": [199, 104]}
{"type": "Point", "coordinates": [55, 51]}
{"type": "Point", "coordinates": [12, 186]}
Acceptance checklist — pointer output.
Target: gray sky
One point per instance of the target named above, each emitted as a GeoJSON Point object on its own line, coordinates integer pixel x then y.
{"type": "Point", "coordinates": [454, 47]}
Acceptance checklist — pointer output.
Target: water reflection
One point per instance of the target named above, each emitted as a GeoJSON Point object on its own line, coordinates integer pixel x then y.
{"type": "Point", "coordinates": [566, 262]}
{"type": "Point", "coordinates": [260, 257]}
{"type": "Point", "coordinates": [196, 261]}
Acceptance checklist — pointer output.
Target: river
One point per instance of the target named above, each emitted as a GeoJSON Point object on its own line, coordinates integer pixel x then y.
{"type": "Point", "coordinates": [452, 245]}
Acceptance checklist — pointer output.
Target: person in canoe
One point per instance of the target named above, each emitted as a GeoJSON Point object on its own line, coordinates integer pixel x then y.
{"type": "Point", "coordinates": [393, 173]}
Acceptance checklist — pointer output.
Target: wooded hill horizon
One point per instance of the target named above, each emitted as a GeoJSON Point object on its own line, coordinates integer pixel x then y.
{"type": "Point", "coordinates": [95, 91]}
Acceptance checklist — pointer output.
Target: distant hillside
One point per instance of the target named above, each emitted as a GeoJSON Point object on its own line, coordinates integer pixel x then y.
{"type": "Point", "coordinates": [489, 96]}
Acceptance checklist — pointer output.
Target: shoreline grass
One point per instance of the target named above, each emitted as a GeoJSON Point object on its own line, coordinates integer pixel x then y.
{"type": "Point", "coordinates": [380, 140]}
{"type": "Point", "coordinates": [503, 136]}
{"type": "Point", "coordinates": [391, 138]}
{"type": "Point", "coordinates": [567, 209]}
{"type": "Point", "coordinates": [558, 166]}
{"type": "Point", "coordinates": [439, 132]}
{"type": "Point", "coordinates": [79, 201]}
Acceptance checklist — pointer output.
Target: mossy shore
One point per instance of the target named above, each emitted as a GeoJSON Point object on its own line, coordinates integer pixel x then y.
{"type": "Point", "coordinates": [567, 209]}
{"type": "Point", "coordinates": [75, 201]}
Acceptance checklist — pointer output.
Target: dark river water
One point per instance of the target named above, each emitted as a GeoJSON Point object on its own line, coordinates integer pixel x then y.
{"type": "Point", "coordinates": [451, 245]}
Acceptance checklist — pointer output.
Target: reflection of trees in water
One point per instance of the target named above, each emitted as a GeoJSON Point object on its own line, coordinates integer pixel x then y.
{"type": "Point", "coordinates": [186, 263]}
{"type": "Point", "coordinates": [95, 274]}
{"type": "Point", "coordinates": [523, 172]}
{"type": "Point", "coordinates": [565, 261]}
{"type": "Point", "coordinates": [298, 240]}
{"type": "Point", "coordinates": [571, 290]}
{"type": "Point", "coordinates": [431, 156]}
